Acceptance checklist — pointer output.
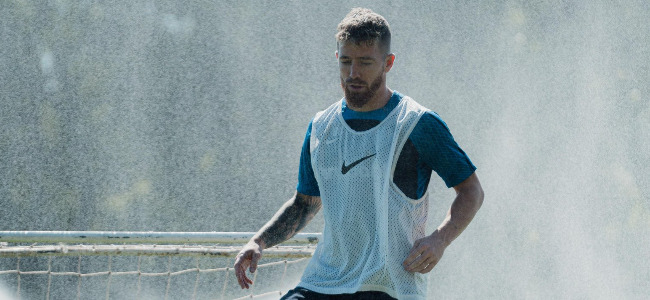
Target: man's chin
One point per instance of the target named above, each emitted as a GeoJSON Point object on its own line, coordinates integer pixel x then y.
{"type": "Point", "coordinates": [356, 100]}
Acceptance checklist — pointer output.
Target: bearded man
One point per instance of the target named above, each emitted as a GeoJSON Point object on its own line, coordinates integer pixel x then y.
{"type": "Point", "coordinates": [367, 161]}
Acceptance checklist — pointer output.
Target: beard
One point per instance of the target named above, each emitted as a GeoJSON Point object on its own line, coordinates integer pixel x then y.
{"type": "Point", "coordinates": [359, 99]}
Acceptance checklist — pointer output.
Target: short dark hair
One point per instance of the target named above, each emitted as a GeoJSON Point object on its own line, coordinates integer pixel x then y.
{"type": "Point", "coordinates": [362, 25]}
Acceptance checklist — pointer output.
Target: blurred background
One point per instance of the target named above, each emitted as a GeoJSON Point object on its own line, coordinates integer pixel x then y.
{"type": "Point", "coordinates": [189, 116]}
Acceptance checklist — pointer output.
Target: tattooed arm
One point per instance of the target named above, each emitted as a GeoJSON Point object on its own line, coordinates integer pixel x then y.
{"type": "Point", "coordinates": [292, 217]}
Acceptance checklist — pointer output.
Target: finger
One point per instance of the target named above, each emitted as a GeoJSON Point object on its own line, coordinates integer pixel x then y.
{"type": "Point", "coordinates": [413, 255]}
{"type": "Point", "coordinates": [240, 280]}
{"type": "Point", "coordinates": [419, 269]}
{"type": "Point", "coordinates": [429, 268]}
{"type": "Point", "coordinates": [417, 256]}
{"type": "Point", "coordinates": [240, 271]}
{"type": "Point", "coordinates": [419, 263]}
{"type": "Point", "coordinates": [422, 266]}
{"type": "Point", "coordinates": [245, 281]}
{"type": "Point", "coordinates": [428, 265]}
{"type": "Point", "coordinates": [254, 260]}
{"type": "Point", "coordinates": [236, 269]}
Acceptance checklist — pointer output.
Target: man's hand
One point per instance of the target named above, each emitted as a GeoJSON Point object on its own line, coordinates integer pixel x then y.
{"type": "Point", "coordinates": [247, 257]}
{"type": "Point", "coordinates": [292, 217]}
{"type": "Point", "coordinates": [425, 254]}
{"type": "Point", "coordinates": [427, 251]}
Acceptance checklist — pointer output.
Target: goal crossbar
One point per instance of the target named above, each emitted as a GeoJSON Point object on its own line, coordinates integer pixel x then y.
{"type": "Point", "coordinates": [112, 237]}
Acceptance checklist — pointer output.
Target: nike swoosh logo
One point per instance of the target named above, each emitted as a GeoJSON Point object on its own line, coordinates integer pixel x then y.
{"type": "Point", "coordinates": [345, 169]}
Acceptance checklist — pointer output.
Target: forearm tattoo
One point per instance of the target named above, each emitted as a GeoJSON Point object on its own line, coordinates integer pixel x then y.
{"type": "Point", "coordinates": [289, 220]}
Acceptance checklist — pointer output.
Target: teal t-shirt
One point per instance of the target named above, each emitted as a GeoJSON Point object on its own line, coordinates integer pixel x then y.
{"type": "Point", "coordinates": [430, 147]}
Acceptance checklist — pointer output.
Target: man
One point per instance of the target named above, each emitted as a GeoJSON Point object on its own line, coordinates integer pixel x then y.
{"type": "Point", "coordinates": [367, 161]}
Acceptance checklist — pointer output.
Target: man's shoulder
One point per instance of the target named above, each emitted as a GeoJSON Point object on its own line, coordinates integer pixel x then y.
{"type": "Point", "coordinates": [432, 118]}
{"type": "Point", "coordinates": [429, 127]}
{"type": "Point", "coordinates": [412, 104]}
{"type": "Point", "coordinates": [329, 111]}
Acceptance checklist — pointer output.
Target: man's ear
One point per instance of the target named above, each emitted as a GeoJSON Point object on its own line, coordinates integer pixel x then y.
{"type": "Point", "coordinates": [336, 53]}
{"type": "Point", "coordinates": [390, 59]}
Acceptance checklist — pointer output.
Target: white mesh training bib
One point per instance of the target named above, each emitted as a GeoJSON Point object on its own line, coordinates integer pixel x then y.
{"type": "Point", "coordinates": [370, 225]}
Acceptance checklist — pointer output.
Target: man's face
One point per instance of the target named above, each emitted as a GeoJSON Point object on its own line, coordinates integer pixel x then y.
{"type": "Point", "coordinates": [363, 71]}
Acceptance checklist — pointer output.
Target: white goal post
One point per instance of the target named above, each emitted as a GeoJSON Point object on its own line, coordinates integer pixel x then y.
{"type": "Point", "coordinates": [22, 247]}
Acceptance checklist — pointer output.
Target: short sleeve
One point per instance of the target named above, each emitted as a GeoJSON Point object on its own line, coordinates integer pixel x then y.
{"type": "Point", "coordinates": [438, 149]}
{"type": "Point", "coordinates": [306, 180]}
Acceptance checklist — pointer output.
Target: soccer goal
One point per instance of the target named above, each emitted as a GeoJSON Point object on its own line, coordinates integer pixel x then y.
{"type": "Point", "coordinates": [143, 265]}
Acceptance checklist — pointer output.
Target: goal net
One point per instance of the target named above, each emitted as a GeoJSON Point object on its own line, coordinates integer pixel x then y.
{"type": "Point", "coordinates": [143, 265]}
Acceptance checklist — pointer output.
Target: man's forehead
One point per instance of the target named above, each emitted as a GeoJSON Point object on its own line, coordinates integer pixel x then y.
{"type": "Point", "coordinates": [363, 49]}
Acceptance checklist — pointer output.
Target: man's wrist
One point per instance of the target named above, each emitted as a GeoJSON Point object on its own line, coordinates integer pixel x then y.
{"type": "Point", "coordinates": [441, 238]}
{"type": "Point", "coordinates": [259, 242]}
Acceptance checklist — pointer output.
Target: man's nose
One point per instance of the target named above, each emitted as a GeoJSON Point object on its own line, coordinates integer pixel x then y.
{"type": "Point", "coordinates": [354, 71]}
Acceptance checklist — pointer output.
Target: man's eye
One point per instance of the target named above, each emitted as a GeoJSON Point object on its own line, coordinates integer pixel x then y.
{"type": "Point", "coordinates": [345, 62]}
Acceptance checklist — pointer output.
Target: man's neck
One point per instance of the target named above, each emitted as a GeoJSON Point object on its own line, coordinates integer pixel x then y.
{"type": "Point", "coordinates": [378, 102]}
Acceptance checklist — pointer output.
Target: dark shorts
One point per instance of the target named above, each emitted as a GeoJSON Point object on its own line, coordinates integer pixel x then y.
{"type": "Point", "coordinates": [305, 294]}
